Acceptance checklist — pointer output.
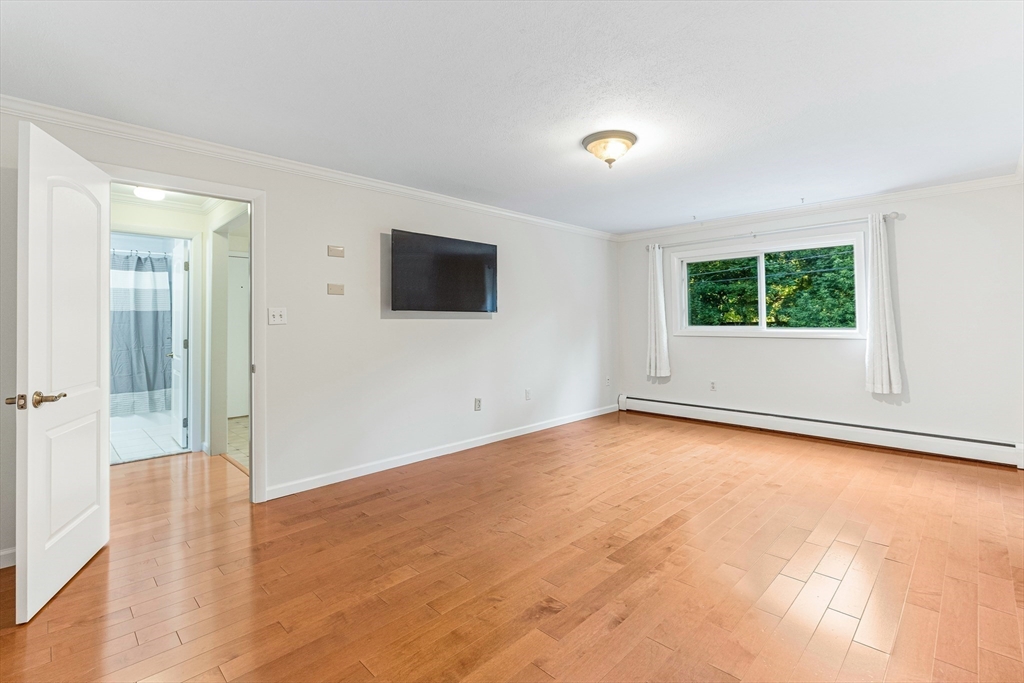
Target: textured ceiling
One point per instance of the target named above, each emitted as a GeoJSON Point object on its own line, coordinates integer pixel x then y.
{"type": "Point", "coordinates": [739, 107]}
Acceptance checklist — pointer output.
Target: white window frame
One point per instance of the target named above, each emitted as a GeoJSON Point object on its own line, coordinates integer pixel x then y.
{"type": "Point", "coordinates": [682, 257]}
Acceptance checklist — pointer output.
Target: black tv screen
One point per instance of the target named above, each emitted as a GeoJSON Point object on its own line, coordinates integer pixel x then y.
{"type": "Point", "coordinates": [430, 273]}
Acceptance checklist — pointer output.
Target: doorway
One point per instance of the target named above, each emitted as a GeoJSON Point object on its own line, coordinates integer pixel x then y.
{"type": "Point", "coordinates": [149, 337]}
{"type": "Point", "coordinates": [61, 400]}
{"type": "Point", "coordinates": [180, 334]}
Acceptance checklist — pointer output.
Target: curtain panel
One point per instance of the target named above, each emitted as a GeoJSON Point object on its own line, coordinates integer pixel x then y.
{"type": "Point", "coordinates": [882, 362]}
{"type": "Point", "coordinates": [140, 334]}
{"type": "Point", "coordinates": [657, 326]}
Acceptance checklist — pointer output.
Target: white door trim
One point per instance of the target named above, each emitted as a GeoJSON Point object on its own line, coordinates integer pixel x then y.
{"type": "Point", "coordinates": [257, 199]}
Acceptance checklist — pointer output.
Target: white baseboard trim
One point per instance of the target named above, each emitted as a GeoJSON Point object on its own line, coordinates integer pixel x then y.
{"type": "Point", "coordinates": [1012, 454]}
{"type": "Point", "coordinates": [7, 557]}
{"type": "Point", "coordinates": [299, 485]}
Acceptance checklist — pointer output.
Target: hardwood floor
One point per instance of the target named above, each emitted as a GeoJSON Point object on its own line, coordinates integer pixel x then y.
{"type": "Point", "coordinates": [622, 548]}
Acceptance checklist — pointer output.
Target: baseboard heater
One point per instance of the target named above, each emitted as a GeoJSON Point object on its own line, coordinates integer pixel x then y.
{"type": "Point", "coordinates": [1002, 452]}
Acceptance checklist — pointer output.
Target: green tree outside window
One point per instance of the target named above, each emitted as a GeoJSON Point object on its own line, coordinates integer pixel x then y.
{"type": "Point", "coordinates": [723, 292]}
{"type": "Point", "coordinates": [810, 288]}
{"type": "Point", "coordinates": [804, 288]}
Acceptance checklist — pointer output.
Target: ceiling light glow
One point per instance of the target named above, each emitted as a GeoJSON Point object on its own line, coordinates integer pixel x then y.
{"type": "Point", "coordinates": [150, 193]}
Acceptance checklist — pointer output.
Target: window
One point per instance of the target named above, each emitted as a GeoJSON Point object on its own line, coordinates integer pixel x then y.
{"type": "Point", "coordinates": [804, 288]}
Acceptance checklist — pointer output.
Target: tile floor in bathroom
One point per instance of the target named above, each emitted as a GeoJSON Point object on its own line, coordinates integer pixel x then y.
{"type": "Point", "coordinates": [144, 435]}
{"type": "Point", "coordinates": [238, 440]}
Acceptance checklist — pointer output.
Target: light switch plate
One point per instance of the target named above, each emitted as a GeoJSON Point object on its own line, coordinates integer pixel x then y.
{"type": "Point", "coordinates": [338, 252]}
{"type": "Point", "coordinates": [335, 289]}
{"type": "Point", "coordinates": [277, 316]}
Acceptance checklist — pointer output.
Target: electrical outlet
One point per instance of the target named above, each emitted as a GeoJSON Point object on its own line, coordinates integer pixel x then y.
{"type": "Point", "coordinates": [527, 394]}
{"type": "Point", "coordinates": [713, 387]}
{"type": "Point", "coordinates": [277, 316]}
{"type": "Point", "coordinates": [607, 381]}
{"type": "Point", "coordinates": [477, 404]}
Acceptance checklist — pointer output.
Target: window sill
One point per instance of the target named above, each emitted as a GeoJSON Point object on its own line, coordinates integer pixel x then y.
{"type": "Point", "coordinates": [759, 333]}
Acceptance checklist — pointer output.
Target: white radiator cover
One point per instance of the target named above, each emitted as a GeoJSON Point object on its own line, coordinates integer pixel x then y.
{"type": "Point", "coordinates": [1008, 454]}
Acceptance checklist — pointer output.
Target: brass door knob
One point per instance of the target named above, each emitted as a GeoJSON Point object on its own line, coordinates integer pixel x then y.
{"type": "Point", "coordinates": [39, 398]}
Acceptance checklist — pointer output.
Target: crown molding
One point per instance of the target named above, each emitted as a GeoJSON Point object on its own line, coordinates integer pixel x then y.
{"type": "Point", "coordinates": [72, 119]}
{"type": "Point", "coordinates": [36, 111]}
{"type": "Point", "coordinates": [825, 207]}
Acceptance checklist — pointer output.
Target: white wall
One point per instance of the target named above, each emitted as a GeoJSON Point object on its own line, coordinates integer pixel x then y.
{"type": "Point", "coordinates": [349, 386]}
{"type": "Point", "coordinates": [123, 241]}
{"type": "Point", "coordinates": [238, 372]}
{"type": "Point", "coordinates": [960, 288]}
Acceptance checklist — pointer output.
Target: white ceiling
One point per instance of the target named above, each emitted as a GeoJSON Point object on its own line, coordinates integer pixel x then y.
{"type": "Point", "coordinates": [739, 107]}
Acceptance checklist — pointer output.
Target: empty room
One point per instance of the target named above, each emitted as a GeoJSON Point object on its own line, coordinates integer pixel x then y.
{"type": "Point", "coordinates": [511, 341]}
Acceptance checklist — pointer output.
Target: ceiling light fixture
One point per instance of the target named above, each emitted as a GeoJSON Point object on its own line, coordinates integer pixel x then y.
{"type": "Point", "coordinates": [609, 145]}
{"type": "Point", "coordinates": [150, 193]}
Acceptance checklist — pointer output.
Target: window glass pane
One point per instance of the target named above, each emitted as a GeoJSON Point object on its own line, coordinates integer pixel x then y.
{"type": "Point", "coordinates": [722, 292]}
{"type": "Point", "coordinates": [810, 288]}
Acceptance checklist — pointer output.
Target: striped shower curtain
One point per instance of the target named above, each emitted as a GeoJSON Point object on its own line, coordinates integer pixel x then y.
{"type": "Point", "coordinates": [140, 334]}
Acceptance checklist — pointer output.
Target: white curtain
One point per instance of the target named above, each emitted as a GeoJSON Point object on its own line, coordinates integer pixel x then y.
{"type": "Point", "coordinates": [883, 355]}
{"type": "Point", "coordinates": [657, 328]}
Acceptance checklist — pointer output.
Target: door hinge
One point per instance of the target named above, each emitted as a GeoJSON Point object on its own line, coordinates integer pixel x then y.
{"type": "Point", "coordinates": [253, 368]}
{"type": "Point", "coordinates": [184, 344]}
{"type": "Point", "coordinates": [21, 401]}
{"type": "Point", "coordinates": [184, 422]}
{"type": "Point", "coordinates": [186, 266]}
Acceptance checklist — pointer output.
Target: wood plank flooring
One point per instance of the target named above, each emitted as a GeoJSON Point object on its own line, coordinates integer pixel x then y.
{"type": "Point", "coordinates": [627, 547]}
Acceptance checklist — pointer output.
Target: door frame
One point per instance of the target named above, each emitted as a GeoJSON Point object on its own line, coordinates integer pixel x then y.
{"type": "Point", "coordinates": [257, 200]}
{"type": "Point", "coordinates": [194, 369]}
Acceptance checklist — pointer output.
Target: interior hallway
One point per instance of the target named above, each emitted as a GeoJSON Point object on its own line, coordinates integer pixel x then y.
{"type": "Point", "coordinates": [238, 440]}
{"type": "Point", "coordinates": [624, 547]}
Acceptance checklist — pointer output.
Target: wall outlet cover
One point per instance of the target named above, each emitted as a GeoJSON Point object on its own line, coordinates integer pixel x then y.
{"type": "Point", "coordinates": [337, 252]}
{"type": "Point", "coordinates": [335, 289]}
{"type": "Point", "coordinates": [277, 316]}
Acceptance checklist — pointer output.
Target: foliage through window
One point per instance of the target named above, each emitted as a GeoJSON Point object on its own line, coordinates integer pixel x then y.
{"type": "Point", "coordinates": [810, 288]}
{"type": "Point", "coordinates": [723, 292]}
{"type": "Point", "coordinates": [813, 288]}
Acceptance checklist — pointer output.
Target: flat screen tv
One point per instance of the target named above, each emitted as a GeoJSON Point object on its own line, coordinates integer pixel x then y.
{"type": "Point", "coordinates": [430, 273]}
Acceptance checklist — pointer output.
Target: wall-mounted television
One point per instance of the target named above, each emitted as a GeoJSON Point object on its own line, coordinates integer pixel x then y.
{"type": "Point", "coordinates": [430, 273]}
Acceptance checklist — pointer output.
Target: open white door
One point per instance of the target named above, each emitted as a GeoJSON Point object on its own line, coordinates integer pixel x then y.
{"type": "Point", "coordinates": [63, 457]}
{"type": "Point", "coordinates": [179, 340]}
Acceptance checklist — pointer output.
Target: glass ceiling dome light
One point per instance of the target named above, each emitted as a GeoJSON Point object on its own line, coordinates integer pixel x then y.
{"type": "Point", "coordinates": [609, 145]}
